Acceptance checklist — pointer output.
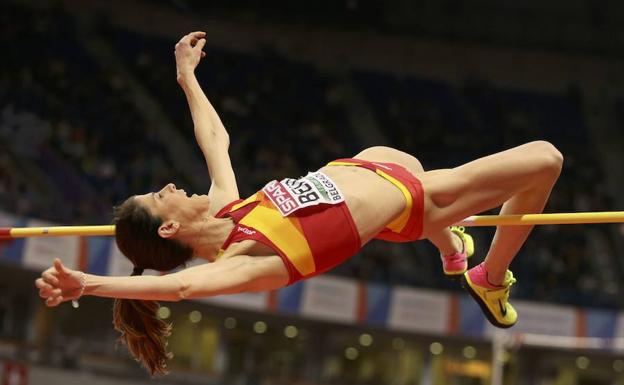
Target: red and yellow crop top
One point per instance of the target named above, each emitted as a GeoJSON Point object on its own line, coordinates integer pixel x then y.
{"type": "Point", "coordinates": [310, 240]}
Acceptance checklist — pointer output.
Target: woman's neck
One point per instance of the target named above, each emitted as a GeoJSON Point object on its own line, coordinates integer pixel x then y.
{"type": "Point", "coordinates": [207, 236]}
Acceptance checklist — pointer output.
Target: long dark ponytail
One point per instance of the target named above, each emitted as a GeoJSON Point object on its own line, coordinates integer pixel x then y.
{"type": "Point", "coordinates": [142, 331]}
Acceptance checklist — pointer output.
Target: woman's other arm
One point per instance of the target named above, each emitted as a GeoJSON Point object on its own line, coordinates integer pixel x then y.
{"type": "Point", "coordinates": [237, 274]}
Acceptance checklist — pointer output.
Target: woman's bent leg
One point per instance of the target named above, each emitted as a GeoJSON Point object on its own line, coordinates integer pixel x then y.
{"type": "Point", "coordinates": [520, 179]}
{"type": "Point", "coordinates": [445, 241]}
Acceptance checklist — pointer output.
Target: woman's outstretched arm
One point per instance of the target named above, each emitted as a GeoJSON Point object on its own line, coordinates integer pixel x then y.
{"type": "Point", "coordinates": [233, 275]}
{"type": "Point", "coordinates": [210, 133]}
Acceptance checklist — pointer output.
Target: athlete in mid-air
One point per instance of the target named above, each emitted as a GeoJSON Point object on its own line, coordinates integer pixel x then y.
{"type": "Point", "coordinates": [294, 229]}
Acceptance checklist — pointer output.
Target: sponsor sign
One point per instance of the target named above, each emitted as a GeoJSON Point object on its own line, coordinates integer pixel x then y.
{"type": "Point", "coordinates": [600, 323]}
{"type": "Point", "coordinates": [8, 220]}
{"type": "Point", "coordinates": [419, 310]}
{"type": "Point", "coordinates": [619, 326]}
{"type": "Point", "coordinates": [247, 301]}
{"type": "Point", "coordinates": [331, 299]}
{"type": "Point", "coordinates": [119, 265]}
{"type": "Point", "coordinates": [39, 252]}
{"type": "Point", "coordinates": [619, 332]}
{"type": "Point", "coordinates": [546, 319]}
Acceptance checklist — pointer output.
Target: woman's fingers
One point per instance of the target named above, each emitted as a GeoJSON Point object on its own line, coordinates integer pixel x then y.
{"type": "Point", "coordinates": [41, 284]}
{"type": "Point", "coordinates": [58, 266]}
{"type": "Point", "coordinates": [49, 293]}
{"type": "Point", "coordinates": [200, 44]}
{"type": "Point", "coordinates": [49, 278]}
{"type": "Point", "coordinates": [50, 285]}
{"type": "Point", "coordinates": [45, 289]}
{"type": "Point", "coordinates": [192, 37]}
{"type": "Point", "coordinates": [54, 301]}
{"type": "Point", "coordinates": [50, 302]}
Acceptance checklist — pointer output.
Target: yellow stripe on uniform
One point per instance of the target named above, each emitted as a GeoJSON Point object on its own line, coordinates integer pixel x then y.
{"type": "Point", "coordinates": [284, 235]}
{"type": "Point", "coordinates": [342, 164]}
{"type": "Point", "coordinates": [399, 222]}
{"type": "Point", "coordinates": [237, 206]}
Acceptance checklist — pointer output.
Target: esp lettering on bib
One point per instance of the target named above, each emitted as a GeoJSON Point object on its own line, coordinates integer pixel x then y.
{"type": "Point", "coordinates": [290, 195]}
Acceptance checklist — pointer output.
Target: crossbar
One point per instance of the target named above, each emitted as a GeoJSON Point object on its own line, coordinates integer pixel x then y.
{"type": "Point", "coordinates": [544, 219]}
{"type": "Point", "coordinates": [473, 221]}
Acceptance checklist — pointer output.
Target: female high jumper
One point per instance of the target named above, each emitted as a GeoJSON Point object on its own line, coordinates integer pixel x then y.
{"type": "Point", "coordinates": [294, 229]}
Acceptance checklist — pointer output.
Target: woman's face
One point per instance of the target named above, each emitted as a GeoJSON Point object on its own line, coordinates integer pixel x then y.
{"type": "Point", "coordinates": [173, 205]}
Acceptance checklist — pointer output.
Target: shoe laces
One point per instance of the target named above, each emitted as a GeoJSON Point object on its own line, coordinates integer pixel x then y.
{"type": "Point", "coordinates": [503, 292]}
{"type": "Point", "coordinates": [460, 229]}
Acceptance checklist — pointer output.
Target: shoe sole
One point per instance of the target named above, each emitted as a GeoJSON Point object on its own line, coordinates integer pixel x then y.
{"type": "Point", "coordinates": [484, 308]}
{"type": "Point", "coordinates": [455, 277]}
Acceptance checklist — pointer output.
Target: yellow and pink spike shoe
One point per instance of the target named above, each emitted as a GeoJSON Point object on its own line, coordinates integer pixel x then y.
{"type": "Point", "coordinates": [457, 264]}
{"type": "Point", "coordinates": [493, 300]}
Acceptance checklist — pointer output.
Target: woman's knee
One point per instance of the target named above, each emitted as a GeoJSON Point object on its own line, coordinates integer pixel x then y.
{"type": "Point", "coordinates": [550, 158]}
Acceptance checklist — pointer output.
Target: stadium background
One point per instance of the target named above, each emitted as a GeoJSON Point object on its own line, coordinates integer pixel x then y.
{"type": "Point", "coordinates": [90, 113]}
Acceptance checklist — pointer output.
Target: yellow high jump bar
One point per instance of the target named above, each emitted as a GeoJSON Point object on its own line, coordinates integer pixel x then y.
{"type": "Point", "coordinates": [56, 231]}
{"type": "Point", "coordinates": [473, 221]}
{"type": "Point", "coordinates": [544, 219]}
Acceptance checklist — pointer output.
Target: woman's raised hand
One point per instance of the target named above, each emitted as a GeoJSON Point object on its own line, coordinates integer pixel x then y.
{"type": "Point", "coordinates": [60, 284]}
{"type": "Point", "coordinates": [188, 53]}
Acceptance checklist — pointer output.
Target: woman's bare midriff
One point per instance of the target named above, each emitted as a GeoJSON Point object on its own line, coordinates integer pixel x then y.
{"type": "Point", "coordinates": [372, 200]}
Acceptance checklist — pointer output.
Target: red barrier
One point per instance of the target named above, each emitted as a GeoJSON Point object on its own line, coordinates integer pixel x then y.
{"type": "Point", "coordinates": [5, 233]}
{"type": "Point", "coordinates": [15, 373]}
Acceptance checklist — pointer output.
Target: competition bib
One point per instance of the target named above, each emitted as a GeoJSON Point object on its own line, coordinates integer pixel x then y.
{"type": "Point", "coordinates": [290, 195]}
